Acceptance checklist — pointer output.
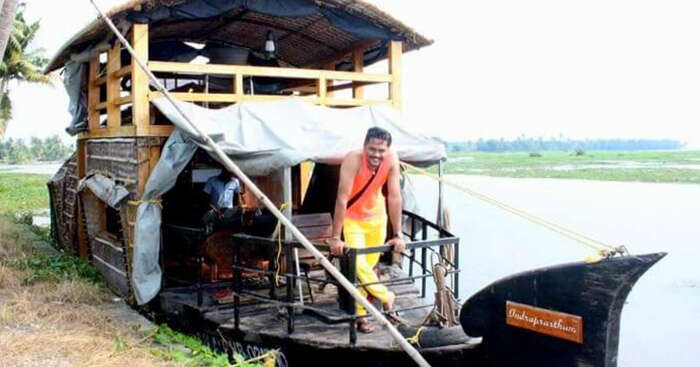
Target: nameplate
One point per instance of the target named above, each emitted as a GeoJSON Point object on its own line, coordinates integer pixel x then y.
{"type": "Point", "coordinates": [557, 324]}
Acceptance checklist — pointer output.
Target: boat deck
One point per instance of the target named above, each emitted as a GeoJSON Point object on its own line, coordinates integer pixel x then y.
{"type": "Point", "coordinates": [269, 320]}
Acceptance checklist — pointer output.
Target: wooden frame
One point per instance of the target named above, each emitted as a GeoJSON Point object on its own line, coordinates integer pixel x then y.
{"type": "Point", "coordinates": [322, 83]}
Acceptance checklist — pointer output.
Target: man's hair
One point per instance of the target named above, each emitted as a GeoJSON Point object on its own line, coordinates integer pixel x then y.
{"type": "Point", "coordinates": [378, 133]}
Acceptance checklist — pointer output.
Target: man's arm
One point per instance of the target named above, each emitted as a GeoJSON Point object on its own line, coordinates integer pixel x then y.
{"type": "Point", "coordinates": [348, 169]}
{"type": "Point", "coordinates": [395, 203]}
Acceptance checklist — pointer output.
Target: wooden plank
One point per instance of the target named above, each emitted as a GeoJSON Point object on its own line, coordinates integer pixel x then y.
{"type": "Point", "coordinates": [99, 81]}
{"type": "Point", "coordinates": [160, 130]}
{"type": "Point", "coordinates": [395, 52]}
{"type": "Point", "coordinates": [101, 106]}
{"type": "Point", "coordinates": [312, 220]}
{"type": "Point", "coordinates": [557, 324]}
{"type": "Point", "coordinates": [114, 63]}
{"type": "Point", "coordinates": [176, 67]}
{"type": "Point", "coordinates": [93, 94]}
{"type": "Point", "coordinates": [122, 100]}
{"type": "Point", "coordinates": [358, 65]}
{"type": "Point", "coordinates": [120, 131]}
{"type": "Point", "coordinates": [232, 98]}
{"type": "Point", "coordinates": [139, 80]}
{"type": "Point", "coordinates": [124, 71]}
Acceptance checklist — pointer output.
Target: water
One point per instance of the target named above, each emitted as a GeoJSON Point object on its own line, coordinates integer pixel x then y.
{"type": "Point", "coordinates": [661, 319]}
{"type": "Point", "coordinates": [37, 168]}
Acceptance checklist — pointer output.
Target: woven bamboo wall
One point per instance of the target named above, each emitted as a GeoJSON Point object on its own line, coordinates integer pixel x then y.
{"type": "Point", "coordinates": [127, 161]}
{"type": "Point", "coordinates": [64, 206]}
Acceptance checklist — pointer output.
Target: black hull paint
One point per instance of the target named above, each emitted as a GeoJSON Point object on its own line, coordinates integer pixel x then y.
{"type": "Point", "coordinates": [596, 292]}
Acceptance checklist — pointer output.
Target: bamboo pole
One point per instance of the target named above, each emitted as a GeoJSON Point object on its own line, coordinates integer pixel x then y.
{"type": "Point", "coordinates": [233, 168]}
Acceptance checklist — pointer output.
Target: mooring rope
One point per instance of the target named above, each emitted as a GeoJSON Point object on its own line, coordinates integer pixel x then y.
{"type": "Point", "coordinates": [601, 248]}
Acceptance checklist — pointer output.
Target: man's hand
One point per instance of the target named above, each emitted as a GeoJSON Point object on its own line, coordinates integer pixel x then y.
{"type": "Point", "coordinates": [398, 244]}
{"type": "Point", "coordinates": [337, 246]}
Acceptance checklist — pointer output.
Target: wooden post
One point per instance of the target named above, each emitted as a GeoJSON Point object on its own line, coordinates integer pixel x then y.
{"type": "Point", "coordinates": [321, 90]}
{"type": "Point", "coordinates": [114, 63]}
{"type": "Point", "coordinates": [238, 84]}
{"type": "Point", "coordinates": [81, 231]}
{"type": "Point", "coordinates": [304, 178]}
{"type": "Point", "coordinates": [330, 83]}
{"type": "Point", "coordinates": [139, 80]}
{"type": "Point", "coordinates": [93, 94]}
{"type": "Point", "coordinates": [395, 51]}
{"type": "Point", "coordinates": [358, 64]}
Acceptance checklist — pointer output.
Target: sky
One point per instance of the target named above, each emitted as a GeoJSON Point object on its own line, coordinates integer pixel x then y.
{"type": "Point", "coordinates": [584, 69]}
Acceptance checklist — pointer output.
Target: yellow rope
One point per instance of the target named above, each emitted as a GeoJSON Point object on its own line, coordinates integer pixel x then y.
{"type": "Point", "coordinates": [416, 338]}
{"type": "Point", "coordinates": [158, 202]}
{"type": "Point", "coordinates": [602, 249]}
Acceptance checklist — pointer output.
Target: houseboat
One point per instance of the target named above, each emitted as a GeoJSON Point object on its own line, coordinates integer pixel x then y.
{"type": "Point", "coordinates": [281, 87]}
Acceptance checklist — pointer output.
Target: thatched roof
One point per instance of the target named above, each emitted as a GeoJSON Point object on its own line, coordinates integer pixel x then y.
{"type": "Point", "coordinates": [304, 41]}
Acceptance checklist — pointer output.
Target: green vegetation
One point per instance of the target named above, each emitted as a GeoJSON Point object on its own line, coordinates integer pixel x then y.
{"type": "Point", "coordinates": [674, 166]}
{"type": "Point", "coordinates": [190, 351]}
{"type": "Point", "coordinates": [15, 151]}
{"type": "Point", "coordinates": [53, 268]}
{"type": "Point", "coordinates": [23, 192]}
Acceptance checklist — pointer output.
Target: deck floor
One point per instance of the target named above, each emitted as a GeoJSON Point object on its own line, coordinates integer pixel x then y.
{"type": "Point", "coordinates": [270, 319]}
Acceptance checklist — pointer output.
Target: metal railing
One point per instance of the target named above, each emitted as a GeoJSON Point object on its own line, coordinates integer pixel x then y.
{"type": "Point", "coordinates": [347, 311]}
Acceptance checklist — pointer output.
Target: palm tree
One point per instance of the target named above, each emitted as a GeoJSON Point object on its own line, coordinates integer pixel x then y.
{"type": "Point", "coordinates": [7, 17]}
{"type": "Point", "coordinates": [18, 64]}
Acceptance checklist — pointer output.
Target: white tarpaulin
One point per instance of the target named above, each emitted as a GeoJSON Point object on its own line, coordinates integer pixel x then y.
{"type": "Point", "coordinates": [261, 138]}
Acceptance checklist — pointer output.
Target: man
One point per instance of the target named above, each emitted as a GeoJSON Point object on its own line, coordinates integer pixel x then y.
{"type": "Point", "coordinates": [360, 211]}
{"type": "Point", "coordinates": [222, 190]}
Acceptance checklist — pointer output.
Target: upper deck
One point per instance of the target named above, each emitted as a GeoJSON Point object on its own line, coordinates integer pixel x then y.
{"type": "Point", "coordinates": [320, 51]}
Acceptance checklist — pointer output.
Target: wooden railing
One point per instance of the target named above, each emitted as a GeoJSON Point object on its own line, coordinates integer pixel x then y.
{"type": "Point", "coordinates": [314, 85]}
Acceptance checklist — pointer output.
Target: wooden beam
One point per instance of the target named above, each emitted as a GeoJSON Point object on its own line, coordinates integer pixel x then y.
{"type": "Point", "coordinates": [122, 100]}
{"type": "Point", "coordinates": [114, 63]}
{"type": "Point", "coordinates": [395, 52]}
{"type": "Point", "coordinates": [358, 65]}
{"type": "Point", "coordinates": [121, 131]}
{"type": "Point", "coordinates": [139, 80]}
{"type": "Point", "coordinates": [342, 54]}
{"type": "Point", "coordinates": [193, 69]}
{"type": "Point", "coordinates": [124, 71]}
{"type": "Point", "coordinates": [93, 94]}
{"type": "Point", "coordinates": [232, 98]}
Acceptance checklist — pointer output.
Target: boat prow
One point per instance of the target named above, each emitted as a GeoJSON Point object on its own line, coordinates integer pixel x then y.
{"type": "Point", "coordinates": [565, 315]}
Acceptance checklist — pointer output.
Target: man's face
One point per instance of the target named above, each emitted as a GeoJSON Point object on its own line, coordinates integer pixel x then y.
{"type": "Point", "coordinates": [376, 149]}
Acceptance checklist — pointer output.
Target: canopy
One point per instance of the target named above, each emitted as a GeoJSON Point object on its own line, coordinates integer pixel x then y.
{"type": "Point", "coordinates": [260, 138]}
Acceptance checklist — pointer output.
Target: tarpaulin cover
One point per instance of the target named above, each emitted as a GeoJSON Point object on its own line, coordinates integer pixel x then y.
{"type": "Point", "coordinates": [261, 138]}
{"type": "Point", "coordinates": [105, 189]}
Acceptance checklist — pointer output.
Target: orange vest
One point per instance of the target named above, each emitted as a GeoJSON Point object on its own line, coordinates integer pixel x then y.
{"type": "Point", "coordinates": [371, 205]}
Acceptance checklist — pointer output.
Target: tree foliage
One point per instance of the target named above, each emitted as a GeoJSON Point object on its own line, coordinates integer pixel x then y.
{"type": "Point", "coordinates": [526, 144]}
{"type": "Point", "coordinates": [16, 151]}
{"type": "Point", "coordinates": [19, 64]}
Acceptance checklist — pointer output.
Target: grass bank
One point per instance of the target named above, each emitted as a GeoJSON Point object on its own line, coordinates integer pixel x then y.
{"type": "Point", "coordinates": [676, 167]}
{"type": "Point", "coordinates": [55, 310]}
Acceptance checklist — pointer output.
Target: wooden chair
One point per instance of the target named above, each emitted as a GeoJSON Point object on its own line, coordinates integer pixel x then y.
{"type": "Point", "coordinates": [317, 228]}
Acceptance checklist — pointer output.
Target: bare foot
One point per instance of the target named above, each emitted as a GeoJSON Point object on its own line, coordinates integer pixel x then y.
{"type": "Point", "coordinates": [364, 326]}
